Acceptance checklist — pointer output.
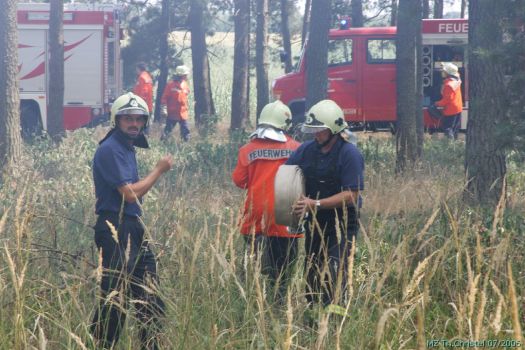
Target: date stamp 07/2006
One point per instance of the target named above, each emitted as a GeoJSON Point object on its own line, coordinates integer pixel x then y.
{"type": "Point", "coordinates": [483, 343]}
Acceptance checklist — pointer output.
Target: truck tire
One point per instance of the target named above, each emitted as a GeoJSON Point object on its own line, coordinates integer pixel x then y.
{"type": "Point", "coordinates": [30, 120]}
{"type": "Point", "coordinates": [393, 128]}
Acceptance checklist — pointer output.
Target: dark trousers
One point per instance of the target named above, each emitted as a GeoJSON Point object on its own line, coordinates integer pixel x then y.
{"type": "Point", "coordinates": [326, 263]}
{"type": "Point", "coordinates": [184, 130]}
{"type": "Point", "coordinates": [451, 125]}
{"type": "Point", "coordinates": [278, 255]}
{"type": "Point", "coordinates": [129, 273]}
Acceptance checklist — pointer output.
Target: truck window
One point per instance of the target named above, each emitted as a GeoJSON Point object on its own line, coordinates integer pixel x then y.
{"type": "Point", "coordinates": [381, 51]}
{"type": "Point", "coordinates": [339, 52]}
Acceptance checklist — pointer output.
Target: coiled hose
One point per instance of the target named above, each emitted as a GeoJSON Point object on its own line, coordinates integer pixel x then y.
{"type": "Point", "coordinates": [289, 187]}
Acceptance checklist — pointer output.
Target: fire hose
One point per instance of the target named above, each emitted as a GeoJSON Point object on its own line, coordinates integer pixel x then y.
{"type": "Point", "coordinates": [289, 187]}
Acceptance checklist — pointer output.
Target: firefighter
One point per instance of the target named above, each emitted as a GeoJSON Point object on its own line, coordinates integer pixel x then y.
{"type": "Point", "coordinates": [451, 101]}
{"type": "Point", "coordinates": [144, 85]}
{"type": "Point", "coordinates": [175, 101]}
{"type": "Point", "coordinates": [129, 266]}
{"type": "Point", "coordinates": [257, 163]}
{"type": "Point", "coordinates": [333, 171]}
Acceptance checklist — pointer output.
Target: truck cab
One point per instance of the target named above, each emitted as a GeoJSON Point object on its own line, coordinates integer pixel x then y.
{"type": "Point", "coordinates": [362, 72]}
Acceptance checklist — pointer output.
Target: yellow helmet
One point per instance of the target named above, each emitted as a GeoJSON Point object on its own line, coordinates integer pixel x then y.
{"type": "Point", "coordinates": [276, 114]}
{"type": "Point", "coordinates": [450, 69]}
{"type": "Point", "coordinates": [325, 114]}
{"type": "Point", "coordinates": [182, 70]}
{"type": "Point", "coordinates": [129, 103]}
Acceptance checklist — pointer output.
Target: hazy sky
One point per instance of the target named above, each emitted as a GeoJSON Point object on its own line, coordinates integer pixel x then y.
{"type": "Point", "coordinates": [449, 6]}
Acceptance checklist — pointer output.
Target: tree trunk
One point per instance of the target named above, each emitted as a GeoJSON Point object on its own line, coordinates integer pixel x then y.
{"type": "Point", "coordinates": [10, 139]}
{"type": "Point", "coordinates": [357, 13]}
{"type": "Point", "coordinates": [317, 52]}
{"type": "Point", "coordinates": [408, 96]}
{"type": "Point", "coordinates": [484, 158]}
{"type": "Point", "coordinates": [261, 56]}
{"type": "Point", "coordinates": [55, 114]}
{"type": "Point", "coordinates": [285, 32]}
{"type": "Point", "coordinates": [463, 8]}
{"type": "Point", "coordinates": [393, 13]}
{"type": "Point", "coordinates": [204, 108]}
{"type": "Point", "coordinates": [420, 125]}
{"type": "Point", "coordinates": [438, 8]}
{"type": "Point", "coordinates": [306, 20]}
{"type": "Point", "coordinates": [163, 57]}
{"type": "Point", "coordinates": [426, 8]}
{"type": "Point", "coordinates": [241, 65]}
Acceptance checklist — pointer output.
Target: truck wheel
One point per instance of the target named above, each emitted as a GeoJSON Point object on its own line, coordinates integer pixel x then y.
{"type": "Point", "coordinates": [392, 128]}
{"type": "Point", "coordinates": [30, 120]}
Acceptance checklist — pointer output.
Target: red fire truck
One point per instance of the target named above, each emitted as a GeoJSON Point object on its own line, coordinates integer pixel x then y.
{"type": "Point", "coordinates": [92, 73]}
{"type": "Point", "coordinates": [362, 72]}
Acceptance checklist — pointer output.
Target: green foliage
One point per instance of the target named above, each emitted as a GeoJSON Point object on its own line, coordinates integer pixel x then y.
{"type": "Point", "coordinates": [145, 31]}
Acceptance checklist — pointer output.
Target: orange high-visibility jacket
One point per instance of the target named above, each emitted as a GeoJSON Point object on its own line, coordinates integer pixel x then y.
{"type": "Point", "coordinates": [144, 88]}
{"type": "Point", "coordinates": [257, 165]}
{"type": "Point", "coordinates": [451, 97]}
{"type": "Point", "coordinates": [175, 97]}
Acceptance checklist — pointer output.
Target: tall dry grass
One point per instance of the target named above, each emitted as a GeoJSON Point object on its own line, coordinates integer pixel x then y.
{"type": "Point", "coordinates": [424, 266]}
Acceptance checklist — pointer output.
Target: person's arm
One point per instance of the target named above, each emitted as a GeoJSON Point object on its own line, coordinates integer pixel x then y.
{"type": "Point", "coordinates": [240, 173]}
{"type": "Point", "coordinates": [132, 192]}
{"type": "Point", "coordinates": [137, 89]}
{"type": "Point", "coordinates": [338, 200]}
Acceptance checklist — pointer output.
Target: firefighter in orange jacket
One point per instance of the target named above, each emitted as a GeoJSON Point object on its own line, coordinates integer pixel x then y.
{"type": "Point", "coordinates": [175, 103]}
{"type": "Point", "coordinates": [257, 164]}
{"type": "Point", "coordinates": [144, 85]}
{"type": "Point", "coordinates": [451, 100]}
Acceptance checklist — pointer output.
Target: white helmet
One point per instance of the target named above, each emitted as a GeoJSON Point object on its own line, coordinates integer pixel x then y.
{"type": "Point", "coordinates": [182, 70]}
{"type": "Point", "coordinates": [451, 69]}
{"type": "Point", "coordinates": [276, 114]}
{"type": "Point", "coordinates": [325, 114]}
{"type": "Point", "coordinates": [128, 103]}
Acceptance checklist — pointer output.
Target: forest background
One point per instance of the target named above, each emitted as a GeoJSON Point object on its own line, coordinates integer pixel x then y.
{"type": "Point", "coordinates": [429, 266]}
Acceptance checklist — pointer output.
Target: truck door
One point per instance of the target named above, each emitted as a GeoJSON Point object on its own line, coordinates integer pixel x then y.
{"type": "Point", "coordinates": [83, 75]}
{"type": "Point", "coordinates": [32, 60]}
{"type": "Point", "coordinates": [379, 81]}
{"type": "Point", "coordinates": [342, 77]}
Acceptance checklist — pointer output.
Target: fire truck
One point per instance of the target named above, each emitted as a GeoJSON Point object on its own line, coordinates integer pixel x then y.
{"type": "Point", "coordinates": [362, 72]}
{"type": "Point", "coordinates": [92, 67]}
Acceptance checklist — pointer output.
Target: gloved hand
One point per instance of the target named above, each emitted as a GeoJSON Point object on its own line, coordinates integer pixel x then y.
{"type": "Point", "coordinates": [164, 111]}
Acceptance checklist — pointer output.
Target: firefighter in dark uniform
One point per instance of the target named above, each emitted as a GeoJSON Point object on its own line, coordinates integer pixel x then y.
{"type": "Point", "coordinates": [129, 266]}
{"type": "Point", "coordinates": [333, 170]}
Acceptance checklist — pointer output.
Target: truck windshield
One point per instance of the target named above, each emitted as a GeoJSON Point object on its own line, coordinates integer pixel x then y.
{"type": "Point", "coordinates": [299, 63]}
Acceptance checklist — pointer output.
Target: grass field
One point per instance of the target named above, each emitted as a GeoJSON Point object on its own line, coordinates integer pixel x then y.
{"type": "Point", "coordinates": [426, 266]}
{"type": "Point", "coordinates": [426, 269]}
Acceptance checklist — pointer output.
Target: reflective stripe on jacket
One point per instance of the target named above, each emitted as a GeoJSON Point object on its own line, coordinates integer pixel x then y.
{"type": "Point", "coordinates": [451, 97]}
{"type": "Point", "coordinates": [175, 97]}
{"type": "Point", "coordinates": [144, 89]}
{"type": "Point", "coordinates": [257, 165]}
